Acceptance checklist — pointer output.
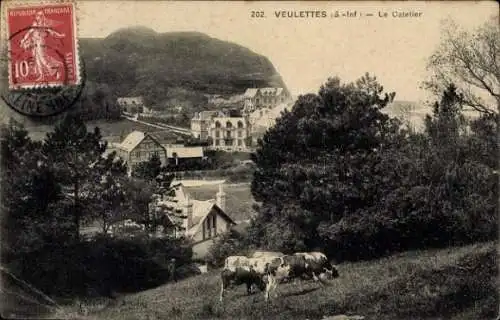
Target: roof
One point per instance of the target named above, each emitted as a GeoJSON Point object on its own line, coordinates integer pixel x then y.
{"type": "Point", "coordinates": [130, 100]}
{"type": "Point", "coordinates": [251, 92]}
{"type": "Point", "coordinates": [200, 211]}
{"type": "Point", "coordinates": [184, 152]}
{"type": "Point", "coordinates": [132, 140]}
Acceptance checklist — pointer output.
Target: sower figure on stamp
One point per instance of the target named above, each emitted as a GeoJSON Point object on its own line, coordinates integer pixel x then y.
{"type": "Point", "coordinates": [34, 39]}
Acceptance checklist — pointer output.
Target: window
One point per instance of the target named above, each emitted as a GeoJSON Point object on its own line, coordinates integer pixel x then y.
{"type": "Point", "coordinates": [240, 124]}
{"type": "Point", "coordinates": [217, 124]}
{"type": "Point", "coordinates": [138, 154]}
{"type": "Point", "coordinates": [228, 134]}
{"type": "Point", "coordinates": [217, 142]}
{"type": "Point", "coordinates": [217, 134]}
{"type": "Point", "coordinates": [240, 133]}
{"type": "Point", "coordinates": [214, 224]}
{"type": "Point", "coordinates": [239, 142]}
{"type": "Point", "coordinates": [209, 228]}
{"type": "Point", "coordinates": [229, 125]}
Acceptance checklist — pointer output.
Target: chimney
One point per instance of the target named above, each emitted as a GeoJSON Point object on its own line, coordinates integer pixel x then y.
{"type": "Point", "coordinates": [221, 198]}
{"type": "Point", "coordinates": [188, 212]}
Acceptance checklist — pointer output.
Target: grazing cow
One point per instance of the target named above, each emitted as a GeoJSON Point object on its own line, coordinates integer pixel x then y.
{"type": "Point", "coordinates": [317, 263]}
{"type": "Point", "coordinates": [242, 270]}
{"type": "Point", "coordinates": [298, 265]}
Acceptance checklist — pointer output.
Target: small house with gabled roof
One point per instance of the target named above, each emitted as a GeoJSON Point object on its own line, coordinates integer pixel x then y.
{"type": "Point", "coordinates": [201, 222]}
{"type": "Point", "coordinates": [140, 147]}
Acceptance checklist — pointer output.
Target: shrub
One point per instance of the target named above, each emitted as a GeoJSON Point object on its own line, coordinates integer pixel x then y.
{"type": "Point", "coordinates": [102, 265]}
{"type": "Point", "coordinates": [228, 244]}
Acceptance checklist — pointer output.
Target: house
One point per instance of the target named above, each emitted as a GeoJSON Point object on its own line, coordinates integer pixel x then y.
{"type": "Point", "coordinates": [257, 98]}
{"type": "Point", "coordinates": [199, 221]}
{"type": "Point", "coordinates": [139, 147]}
{"type": "Point", "coordinates": [200, 124]}
{"type": "Point", "coordinates": [131, 104]}
{"type": "Point", "coordinates": [230, 133]}
{"type": "Point", "coordinates": [177, 154]}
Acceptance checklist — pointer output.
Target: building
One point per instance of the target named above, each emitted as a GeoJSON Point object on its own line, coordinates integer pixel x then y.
{"type": "Point", "coordinates": [230, 133]}
{"type": "Point", "coordinates": [199, 221]}
{"type": "Point", "coordinates": [177, 154]}
{"type": "Point", "coordinates": [132, 104]}
{"type": "Point", "coordinates": [257, 98]}
{"type": "Point", "coordinates": [200, 124]}
{"type": "Point", "coordinates": [139, 147]}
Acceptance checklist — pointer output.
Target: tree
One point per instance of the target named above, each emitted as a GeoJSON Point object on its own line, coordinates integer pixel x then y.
{"type": "Point", "coordinates": [30, 195]}
{"type": "Point", "coordinates": [110, 194]}
{"type": "Point", "coordinates": [73, 152]}
{"type": "Point", "coordinates": [471, 62]}
{"type": "Point", "coordinates": [148, 170]}
{"type": "Point", "coordinates": [317, 163]}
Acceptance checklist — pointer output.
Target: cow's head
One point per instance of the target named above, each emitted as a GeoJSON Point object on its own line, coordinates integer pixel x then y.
{"type": "Point", "coordinates": [331, 271]}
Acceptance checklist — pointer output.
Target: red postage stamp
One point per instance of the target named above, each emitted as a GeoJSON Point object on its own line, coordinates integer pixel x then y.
{"type": "Point", "coordinates": [42, 46]}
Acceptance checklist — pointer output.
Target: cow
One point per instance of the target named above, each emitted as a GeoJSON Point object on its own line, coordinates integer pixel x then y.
{"type": "Point", "coordinates": [242, 270]}
{"type": "Point", "coordinates": [317, 263]}
{"type": "Point", "coordinates": [295, 266]}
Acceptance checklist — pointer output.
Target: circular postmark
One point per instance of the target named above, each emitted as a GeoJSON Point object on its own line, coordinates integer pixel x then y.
{"type": "Point", "coordinates": [50, 90]}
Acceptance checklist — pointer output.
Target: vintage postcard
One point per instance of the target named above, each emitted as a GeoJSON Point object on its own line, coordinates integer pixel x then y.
{"type": "Point", "coordinates": [332, 160]}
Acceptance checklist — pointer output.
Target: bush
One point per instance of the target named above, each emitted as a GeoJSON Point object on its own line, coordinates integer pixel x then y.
{"type": "Point", "coordinates": [227, 245]}
{"type": "Point", "coordinates": [101, 265]}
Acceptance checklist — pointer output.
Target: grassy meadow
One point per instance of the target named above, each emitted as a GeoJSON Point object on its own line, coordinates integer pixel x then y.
{"type": "Point", "coordinates": [239, 199]}
{"type": "Point", "coordinates": [453, 283]}
{"type": "Point", "coordinates": [112, 129]}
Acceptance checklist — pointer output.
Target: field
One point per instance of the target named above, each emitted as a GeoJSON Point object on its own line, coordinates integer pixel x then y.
{"type": "Point", "coordinates": [453, 283]}
{"type": "Point", "coordinates": [114, 130]}
{"type": "Point", "coordinates": [239, 199]}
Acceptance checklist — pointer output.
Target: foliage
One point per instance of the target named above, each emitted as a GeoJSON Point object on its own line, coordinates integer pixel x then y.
{"type": "Point", "coordinates": [50, 189]}
{"type": "Point", "coordinates": [469, 61]}
{"type": "Point", "coordinates": [102, 265]}
{"type": "Point", "coordinates": [226, 245]}
{"type": "Point", "coordinates": [148, 170]}
{"type": "Point", "coordinates": [337, 174]}
{"type": "Point", "coordinates": [193, 61]}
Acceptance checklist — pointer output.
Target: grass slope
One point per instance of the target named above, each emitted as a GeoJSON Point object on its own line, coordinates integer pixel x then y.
{"type": "Point", "coordinates": [239, 199]}
{"type": "Point", "coordinates": [453, 283]}
{"type": "Point", "coordinates": [112, 130]}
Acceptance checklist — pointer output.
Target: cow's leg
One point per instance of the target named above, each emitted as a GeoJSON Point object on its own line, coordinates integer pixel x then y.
{"type": "Point", "coordinates": [269, 287]}
{"type": "Point", "coordinates": [249, 288]}
{"type": "Point", "coordinates": [221, 291]}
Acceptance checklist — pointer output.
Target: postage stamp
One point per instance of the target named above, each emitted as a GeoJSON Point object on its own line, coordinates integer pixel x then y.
{"type": "Point", "coordinates": [42, 62]}
{"type": "Point", "coordinates": [42, 45]}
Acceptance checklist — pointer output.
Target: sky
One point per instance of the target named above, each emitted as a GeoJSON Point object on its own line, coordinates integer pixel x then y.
{"type": "Point", "coordinates": [306, 51]}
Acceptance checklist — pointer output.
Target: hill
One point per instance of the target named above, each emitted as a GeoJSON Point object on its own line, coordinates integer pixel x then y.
{"type": "Point", "coordinates": [140, 61]}
{"type": "Point", "coordinates": [453, 283]}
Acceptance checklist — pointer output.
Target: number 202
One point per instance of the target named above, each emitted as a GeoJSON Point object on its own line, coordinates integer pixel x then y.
{"type": "Point", "coordinates": [257, 14]}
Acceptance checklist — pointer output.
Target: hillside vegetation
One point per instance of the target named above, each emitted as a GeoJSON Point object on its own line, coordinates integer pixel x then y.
{"type": "Point", "coordinates": [173, 67]}
{"type": "Point", "coordinates": [454, 283]}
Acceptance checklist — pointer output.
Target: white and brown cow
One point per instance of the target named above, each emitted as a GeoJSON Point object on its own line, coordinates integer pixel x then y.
{"type": "Point", "coordinates": [312, 265]}
{"type": "Point", "coordinates": [240, 270]}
